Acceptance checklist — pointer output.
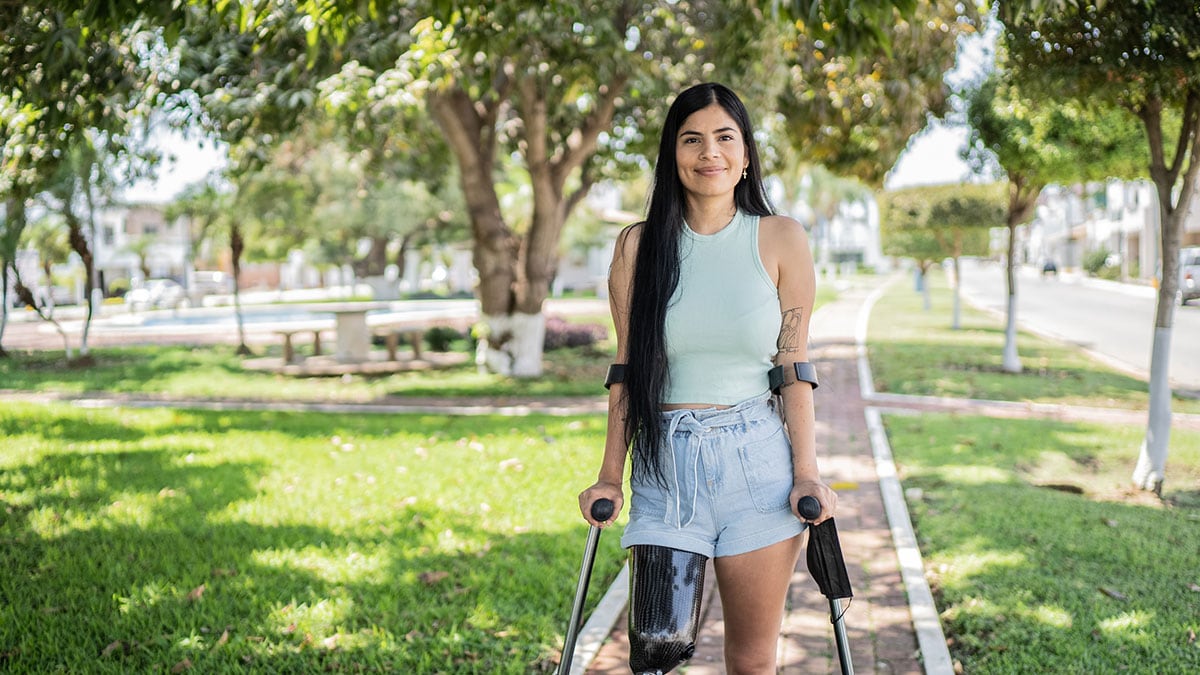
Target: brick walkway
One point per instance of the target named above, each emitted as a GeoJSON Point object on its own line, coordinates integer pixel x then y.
{"type": "Point", "coordinates": [878, 622]}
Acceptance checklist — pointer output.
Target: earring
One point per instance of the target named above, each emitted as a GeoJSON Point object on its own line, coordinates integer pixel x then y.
{"type": "Point", "coordinates": [743, 174]}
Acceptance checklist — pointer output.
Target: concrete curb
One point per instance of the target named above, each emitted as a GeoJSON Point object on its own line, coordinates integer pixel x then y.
{"type": "Point", "coordinates": [600, 624]}
{"type": "Point", "coordinates": [930, 638]}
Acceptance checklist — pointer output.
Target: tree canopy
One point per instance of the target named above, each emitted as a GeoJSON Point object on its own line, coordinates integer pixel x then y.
{"type": "Point", "coordinates": [1142, 55]}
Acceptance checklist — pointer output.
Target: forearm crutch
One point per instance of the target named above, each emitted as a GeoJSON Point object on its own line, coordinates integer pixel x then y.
{"type": "Point", "coordinates": [602, 510]}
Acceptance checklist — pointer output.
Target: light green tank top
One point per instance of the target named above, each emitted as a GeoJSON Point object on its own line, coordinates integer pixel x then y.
{"type": "Point", "coordinates": [723, 320]}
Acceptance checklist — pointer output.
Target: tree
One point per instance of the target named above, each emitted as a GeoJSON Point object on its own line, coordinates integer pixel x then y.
{"type": "Point", "coordinates": [74, 83]}
{"type": "Point", "coordinates": [1145, 57]}
{"type": "Point", "coordinates": [52, 244]}
{"type": "Point", "coordinates": [12, 225]}
{"type": "Point", "coordinates": [903, 216]}
{"type": "Point", "coordinates": [214, 214]}
{"type": "Point", "coordinates": [961, 217]}
{"type": "Point", "coordinates": [855, 111]}
{"type": "Point", "coordinates": [1036, 142]}
{"type": "Point", "coordinates": [577, 90]}
{"type": "Point", "coordinates": [82, 181]}
{"type": "Point", "coordinates": [933, 223]}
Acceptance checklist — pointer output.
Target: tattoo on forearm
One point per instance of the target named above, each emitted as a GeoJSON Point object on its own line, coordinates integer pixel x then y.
{"type": "Point", "coordinates": [790, 339]}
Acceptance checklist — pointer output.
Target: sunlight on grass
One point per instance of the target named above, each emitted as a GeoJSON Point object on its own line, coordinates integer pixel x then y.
{"type": "Point", "coordinates": [1041, 556]}
{"type": "Point", "coordinates": [915, 351]}
{"type": "Point", "coordinates": [966, 474]}
{"type": "Point", "coordinates": [973, 558]}
{"type": "Point", "coordinates": [1051, 616]}
{"type": "Point", "coordinates": [1130, 623]}
{"type": "Point", "coordinates": [395, 543]}
{"type": "Point", "coordinates": [331, 565]}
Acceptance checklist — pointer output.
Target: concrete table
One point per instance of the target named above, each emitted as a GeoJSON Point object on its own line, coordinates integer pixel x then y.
{"type": "Point", "coordinates": [353, 335]}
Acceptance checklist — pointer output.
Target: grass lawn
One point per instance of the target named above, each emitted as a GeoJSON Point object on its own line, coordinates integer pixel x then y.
{"type": "Point", "coordinates": [1041, 558]}
{"type": "Point", "coordinates": [162, 540]}
{"type": "Point", "coordinates": [216, 372]}
{"type": "Point", "coordinates": [914, 351]}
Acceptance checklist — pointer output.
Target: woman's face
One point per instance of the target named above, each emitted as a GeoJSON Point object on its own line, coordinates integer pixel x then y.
{"type": "Point", "coordinates": [710, 152]}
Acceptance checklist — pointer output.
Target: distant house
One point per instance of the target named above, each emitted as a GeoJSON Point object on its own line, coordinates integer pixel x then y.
{"type": "Point", "coordinates": [1121, 217]}
{"type": "Point", "coordinates": [137, 243]}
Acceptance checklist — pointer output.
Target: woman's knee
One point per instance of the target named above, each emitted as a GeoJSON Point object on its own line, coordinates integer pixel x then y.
{"type": "Point", "coordinates": [750, 660]}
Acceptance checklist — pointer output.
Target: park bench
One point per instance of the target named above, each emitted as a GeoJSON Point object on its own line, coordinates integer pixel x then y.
{"type": "Point", "coordinates": [289, 350]}
{"type": "Point", "coordinates": [414, 328]}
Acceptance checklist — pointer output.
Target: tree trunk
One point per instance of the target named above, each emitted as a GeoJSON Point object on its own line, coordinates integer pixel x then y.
{"type": "Point", "coordinates": [14, 214]}
{"type": "Point", "coordinates": [1022, 196]}
{"type": "Point", "coordinates": [470, 132]}
{"type": "Point", "coordinates": [1150, 471]}
{"type": "Point", "coordinates": [3, 304]}
{"type": "Point", "coordinates": [956, 321]}
{"type": "Point", "coordinates": [89, 286]}
{"type": "Point", "coordinates": [79, 244]}
{"type": "Point", "coordinates": [374, 263]}
{"type": "Point", "coordinates": [514, 271]}
{"type": "Point", "coordinates": [1011, 361]}
{"type": "Point", "coordinates": [236, 246]}
{"type": "Point", "coordinates": [926, 298]}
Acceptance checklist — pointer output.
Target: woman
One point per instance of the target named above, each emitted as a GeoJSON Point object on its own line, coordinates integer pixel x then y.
{"type": "Point", "coordinates": [707, 294]}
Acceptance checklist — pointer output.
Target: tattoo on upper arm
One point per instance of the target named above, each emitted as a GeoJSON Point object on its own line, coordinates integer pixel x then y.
{"type": "Point", "coordinates": [790, 339]}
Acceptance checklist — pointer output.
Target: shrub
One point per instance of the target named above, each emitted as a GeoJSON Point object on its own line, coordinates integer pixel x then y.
{"type": "Point", "coordinates": [1095, 261]}
{"type": "Point", "coordinates": [117, 288]}
{"type": "Point", "coordinates": [441, 337]}
{"type": "Point", "coordinates": [561, 334]}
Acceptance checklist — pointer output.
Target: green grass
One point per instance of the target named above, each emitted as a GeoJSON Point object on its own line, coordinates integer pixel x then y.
{"type": "Point", "coordinates": [1041, 557]}
{"type": "Point", "coordinates": [137, 540]}
{"type": "Point", "coordinates": [914, 351]}
{"type": "Point", "coordinates": [216, 372]}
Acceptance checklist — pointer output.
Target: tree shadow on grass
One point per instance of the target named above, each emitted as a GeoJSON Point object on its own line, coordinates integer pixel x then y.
{"type": "Point", "coordinates": [136, 561]}
{"type": "Point", "coordinates": [1037, 564]}
{"type": "Point", "coordinates": [1037, 580]}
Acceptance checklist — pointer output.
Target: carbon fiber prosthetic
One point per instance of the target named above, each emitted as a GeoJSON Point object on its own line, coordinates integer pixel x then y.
{"type": "Point", "coordinates": [665, 589]}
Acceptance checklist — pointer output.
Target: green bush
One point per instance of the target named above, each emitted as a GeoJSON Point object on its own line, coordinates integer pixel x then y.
{"type": "Point", "coordinates": [440, 338]}
{"type": "Point", "coordinates": [117, 288]}
{"type": "Point", "coordinates": [1095, 261]}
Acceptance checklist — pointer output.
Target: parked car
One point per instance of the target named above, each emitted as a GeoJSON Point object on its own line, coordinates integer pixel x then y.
{"type": "Point", "coordinates": [156, 293]}
{"type": "Point", "coordinates": [1189, 274]}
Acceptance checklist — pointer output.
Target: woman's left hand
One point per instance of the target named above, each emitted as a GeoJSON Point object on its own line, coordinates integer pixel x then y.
{"type": "Point", "coordinates": [819, 490]}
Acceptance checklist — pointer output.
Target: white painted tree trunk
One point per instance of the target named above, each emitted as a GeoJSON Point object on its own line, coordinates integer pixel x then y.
{"type": "Point", "coordinates": [1012, 361]}
{"type": "Point", "coordinates": [1151, 466]}
{"type": "Point", "coordinates": [921, 281]}
{"type": "Point", "coordinates": [514, 344]}
{"type": "Point", "coordinates": [957, 319]}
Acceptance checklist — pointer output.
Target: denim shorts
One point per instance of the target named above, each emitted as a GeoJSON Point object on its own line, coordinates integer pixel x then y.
{"type": "Point", "coordinates": [728, 477]}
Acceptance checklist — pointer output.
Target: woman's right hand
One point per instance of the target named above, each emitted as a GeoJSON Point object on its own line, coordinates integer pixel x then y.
{"type": "Point", "coordinates": [601, 490]}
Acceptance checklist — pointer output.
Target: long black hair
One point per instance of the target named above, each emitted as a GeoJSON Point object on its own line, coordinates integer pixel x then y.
{"type": "Point", "coordinates": [656, 273]}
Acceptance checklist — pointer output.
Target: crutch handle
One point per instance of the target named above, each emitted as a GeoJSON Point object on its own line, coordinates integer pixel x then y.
{"type": "Point", "coordinates": [809, 507]}
{"type": "Point", "coordinates": [602, 509]}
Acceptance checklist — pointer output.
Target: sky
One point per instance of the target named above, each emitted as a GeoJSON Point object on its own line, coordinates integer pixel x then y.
{"type": "Point", "coordinates": [931, 158]}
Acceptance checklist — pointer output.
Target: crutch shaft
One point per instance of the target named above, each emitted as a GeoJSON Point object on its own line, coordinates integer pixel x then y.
{"type": "Point", "coordinates": [839, 635]}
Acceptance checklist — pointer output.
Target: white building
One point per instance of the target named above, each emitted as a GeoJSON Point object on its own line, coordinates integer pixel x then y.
{"type": "Point", "coordinates": [1121, 217]}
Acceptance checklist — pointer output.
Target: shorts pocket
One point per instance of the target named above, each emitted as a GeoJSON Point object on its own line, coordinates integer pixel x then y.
{"type": "Point", "coordinates": [767, 464]}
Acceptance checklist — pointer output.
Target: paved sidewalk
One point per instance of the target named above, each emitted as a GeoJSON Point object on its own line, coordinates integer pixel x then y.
{"type": "Point", "coordinates": [878, 620]}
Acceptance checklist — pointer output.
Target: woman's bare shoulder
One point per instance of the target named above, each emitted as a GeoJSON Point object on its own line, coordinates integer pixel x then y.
{"type": "Point", "coordinates": [782, 231]}
{"type": "Point", "coordinates": [628, 238]}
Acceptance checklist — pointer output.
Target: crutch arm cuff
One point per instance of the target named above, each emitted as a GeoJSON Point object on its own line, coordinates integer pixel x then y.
{"type": "Point", "coordinates": [804, 371]}
{"type": "Point", "coordinates": [616, 375]}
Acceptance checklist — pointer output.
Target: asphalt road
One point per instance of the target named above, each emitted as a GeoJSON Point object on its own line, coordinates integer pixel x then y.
{"type": "Point", "coordinates": [1116, 321]}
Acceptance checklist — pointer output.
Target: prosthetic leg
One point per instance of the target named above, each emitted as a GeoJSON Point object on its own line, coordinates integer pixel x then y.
{"type": "Point", "coordinates": [665, 589]}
